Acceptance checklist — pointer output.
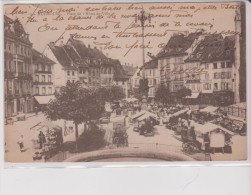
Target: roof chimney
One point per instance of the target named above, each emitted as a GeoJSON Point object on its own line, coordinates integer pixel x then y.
{"type": "Point", "coordinates": [61, 43]}
{"type": "Point", "coordinates": [51, 44]}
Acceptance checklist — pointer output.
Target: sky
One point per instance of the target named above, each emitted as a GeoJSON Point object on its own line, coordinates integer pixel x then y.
{"type": "Point", "coordinates": [108, 26]}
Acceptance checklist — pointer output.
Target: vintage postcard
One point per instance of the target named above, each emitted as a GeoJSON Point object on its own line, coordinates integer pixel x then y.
{"type": "Point", "coordinates": [125, 82]}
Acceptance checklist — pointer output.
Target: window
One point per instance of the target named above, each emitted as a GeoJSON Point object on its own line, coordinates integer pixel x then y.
{"type": "Point", "coordinates": [49, 78]}
{"type": "Point", "coordinates": [198, 87]}
{"type": "Point", "coordinates": [207, 86]}
{"type": "Point", "coordinates": [43, 78]}
{"type": "Point", "coordinates": [73, 73]}
{"type": "Point", "coordinates": [50, 90]}
{"type": "Point", "coordinates": [43, 67]}
{"type": "Point", "coordinates": [228, 75]}
{"type": "Point", "coordinates": [222, 64]}
{"type": "Point", "coordinates": [37, 78]}
{"type": "Point", "coordinates": [229, 65]}
{"type": "Point", "coordinates": [68, 81]}
{"type": "Point", "coordinates": [206, 66]}
{"type": "Point", "coordinates": [43, 90]}
{"type": "Point", "coordinates": [215, 65]}
{"type": "Point", "coordinates": [37, 90]}
{"type": "Point", "coordinates": [49, 68]}
{"type": "Point", "coordinates": [150, 82]}
{"type": "Point", "coordinates": [154, 73]}
{"type": "Point", "coordinates": [206, 76]}
{"type": "Point", "coordinates": [73, 81]}
{"type": "Point", "coordinates": [68, 73]}
{"type": "Point", "coordinates": [215, 86]}
{"type": "Point", "coordinates": [216, 75]}
{"type": "Point", "coordinates": [223, 75]}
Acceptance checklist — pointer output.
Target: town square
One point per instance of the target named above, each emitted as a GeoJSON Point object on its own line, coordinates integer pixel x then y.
{"type": "Point", "coordinates": [92, 83]}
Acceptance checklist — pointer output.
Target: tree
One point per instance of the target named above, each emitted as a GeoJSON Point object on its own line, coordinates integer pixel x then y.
{"type": "Point", "coordinates": [143, 89]}
{"type": "Point", "coordinates": [110, 93]}
{"type": "Point", "coordinates": [76, 104]}
{"type": "Point", "coordinates": [163, 94]}
{"type": "Point", "coordinates": [183, 92]}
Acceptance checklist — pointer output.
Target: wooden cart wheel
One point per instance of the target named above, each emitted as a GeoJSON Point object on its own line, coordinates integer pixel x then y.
{"type": "Point", "coordinates": [190, 148]}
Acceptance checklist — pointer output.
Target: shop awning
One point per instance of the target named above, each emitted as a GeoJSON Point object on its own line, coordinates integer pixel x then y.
{"type": "Point", "coordinates": [207, 91]}
{"type": "Point", "coordinates": [44, 99]}
{"type": "Point", "coordinates": [193, 96]}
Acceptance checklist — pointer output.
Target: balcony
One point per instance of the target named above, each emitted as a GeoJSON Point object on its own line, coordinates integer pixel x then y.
{"type": "Point", "coordinates": [43, 71]}
{"type": "Point", "coordinates": [42, 83]}
{"type": "Point", "coordinates": [22, 75]}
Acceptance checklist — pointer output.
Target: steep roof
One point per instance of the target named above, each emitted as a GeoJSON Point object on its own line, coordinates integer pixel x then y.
{"type": "Point", "coordinates": [62, 56]}
{"type": "Point", "coordinates": [129, 70]}
{"type": "Point", "coordinates": [151, 64]}
{"type": "Point", "coordinates": [38, 57]}
{"type": "Point", "coordinates": [16, 29]}
{"type": "Point", "coordinates": [213, 48]}
{"type": "Point", "coordinates": [178, 45]}
{"type": "Point", "coordinates": [75, 54]}
{"type": "Point", "coordinates": [119, 72]}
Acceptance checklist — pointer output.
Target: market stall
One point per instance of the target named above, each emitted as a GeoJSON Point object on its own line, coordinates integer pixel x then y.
{"type": "Point", "coordinates": [53, 137]}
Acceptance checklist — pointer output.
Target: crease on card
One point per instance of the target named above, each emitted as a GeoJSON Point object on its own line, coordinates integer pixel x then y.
{"type": "Point", "coordinates": [189, 181]}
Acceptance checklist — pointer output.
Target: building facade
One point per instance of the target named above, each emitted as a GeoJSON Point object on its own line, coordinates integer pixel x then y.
{"type": "Point", "coordinates": [74, 61]}
{"type": "Point", "coordinates": [43, 76]}
{"type": "Point", "coordinates": [18, 68]}
{"type": "Point", "coordinates": [211, 70]}
{"type": "Point", "coordinates": [171, 59]}
{"type": "Point", "coordinates": [153, 77]}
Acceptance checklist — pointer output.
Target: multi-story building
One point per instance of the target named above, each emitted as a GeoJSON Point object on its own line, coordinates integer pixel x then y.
{"type": "Point", "coordinates": [211, 70]}
{"type": "Point", "coordinates": [171, 59]}
{"type": "Point", "coordinates": [129, 72]}
{"type": "Point", "coordinates": [43, 77]}
{"type": "Point", "coordinates": [152, 75]}
{"type": "Point", "coordinates": [18, 68]}
{"type": "Point", "coordinates": [77, 62]}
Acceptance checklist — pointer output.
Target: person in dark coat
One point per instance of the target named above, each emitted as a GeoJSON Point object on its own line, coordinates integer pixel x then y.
{"type": "Point", "coordinates": [41, 139]}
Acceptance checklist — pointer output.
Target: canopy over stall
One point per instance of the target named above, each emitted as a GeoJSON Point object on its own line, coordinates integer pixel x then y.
{"type": "Point", "coordinates": [131, 99]}
{"type": "Point", "coordinates": [209, 109]}
{"type": "Point", "coordinates": [209, 127]}
{"type": "Point", "coordinates": [147, 115]}
{"type": "Point", "coordinates": [180, 112]}
{"type": "Point", "coordinates": [138, 114]}
{"type": "Point", "coordinates": [45, 126]}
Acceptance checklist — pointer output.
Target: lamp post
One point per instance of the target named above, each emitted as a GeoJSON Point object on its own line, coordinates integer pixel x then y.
{"type": "Point", "coordinates": [142, 17]}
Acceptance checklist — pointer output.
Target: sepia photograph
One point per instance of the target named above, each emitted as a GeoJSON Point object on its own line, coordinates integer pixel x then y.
{"type": "Point", "coordinates": [123, 82]}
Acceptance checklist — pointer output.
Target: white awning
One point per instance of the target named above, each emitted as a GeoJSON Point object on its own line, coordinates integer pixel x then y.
{"type": "Point", "coordinates": [138, 114]}
{"type": "Point", "coordinates": [131, 99]}
{"type": "Point", "coordinates": [193, 96]}
{"type": "Point", "coordinates": [44, 99]}
{"type": "Point", "coordinates": [180, 112]}
{"type": "Point", "coordinates": [209, 109]}
{"type": "Point", "coordinates": [208, 127]}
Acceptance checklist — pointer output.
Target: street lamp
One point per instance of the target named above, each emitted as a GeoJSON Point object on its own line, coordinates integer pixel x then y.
{"type": "Point", "coordinates": [142, 17]}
